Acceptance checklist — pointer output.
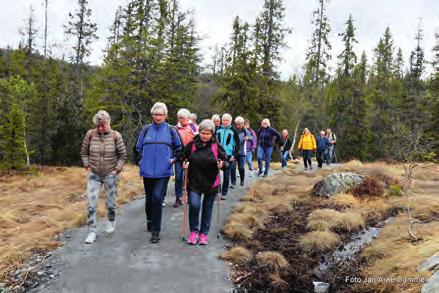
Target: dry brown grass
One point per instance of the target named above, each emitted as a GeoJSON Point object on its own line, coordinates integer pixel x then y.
{"type": "Point", "coordinates": [272, 260]}
{"type": "Point", "coordinates": [392, 254]}
{"type": "Point", "coordinates": [238, 255]}
{"type": "Point", "coordinates": [323, 220]}
{"type": "Point", "coordinates": [328, 219]}
{"type": "Point", "coordinates": [33, 209]}
{"type": "Point", "coordinates": [319, 241]}
{"type": "Point", "coordinates": [343, 201]}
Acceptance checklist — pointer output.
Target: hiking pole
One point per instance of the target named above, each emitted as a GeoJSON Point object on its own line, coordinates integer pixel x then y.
{"type": "Point", "coordinates": [183, 228]}
{"type": "Point", "coordinates": [218, 209]}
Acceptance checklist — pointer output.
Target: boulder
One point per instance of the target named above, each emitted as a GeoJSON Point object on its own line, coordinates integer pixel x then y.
{"type": "Point", "coordinates": [432, 286]}
{"type": "Point", "coordinates": [336, 183]}
{"type": "Point", "coordinates": [430, 264]}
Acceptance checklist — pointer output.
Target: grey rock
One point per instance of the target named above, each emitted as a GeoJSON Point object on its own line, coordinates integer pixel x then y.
{"type": "Point", "coordinates": [320, 287]}
{"type": "Point", "coordinates": [432, 286]}
{"type": "Point", "coordinates": [336, 183]}
{"type": "Point", "coordinates": [430, 264]}
{"type": "Point", "coordinates": [40, 274]}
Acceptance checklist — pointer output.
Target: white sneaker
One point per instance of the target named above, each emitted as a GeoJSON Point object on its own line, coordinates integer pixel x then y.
{"type": "Point", "coordinates": [250, 173]}
{"type": "Point", "coordinates": [110, 227]}
{"type": "Point", "coordinates": [163, 204]}
{"type": "Point", "coordinates": [91, 237]}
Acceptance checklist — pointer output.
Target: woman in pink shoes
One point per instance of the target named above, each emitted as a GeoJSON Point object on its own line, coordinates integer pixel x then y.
{"type": "Point", "coordinates": [203, 159]}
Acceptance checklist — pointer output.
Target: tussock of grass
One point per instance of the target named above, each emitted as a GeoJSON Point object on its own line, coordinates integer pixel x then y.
{"type": "Point", "coordinates": [324, 219]}
{"type": "Point", "coordinates": [250, 209]}
{"type": "Point", "coordinates": [351, 166]}
{"type": "Point", "coordinates": [327, 219]}
{"type": "Point", "coordinates": [351, 221]}
{"type": "Point", "coordinates": [343, 201]}
{"type": "Point", "coordinates": [374, 209]}
{"type": "Point", "coordinates": [252, 221]}
{"type": "Point", "coordinates": [381, 174]}
{"type": "Point", "coordinates": [238, 255]}
{"type": "Point", "coordinates": [319, 241]}
{"type": "Point", "coordinates": [237, 231]}
{"type": "Point", "coordinates": [272, 260]}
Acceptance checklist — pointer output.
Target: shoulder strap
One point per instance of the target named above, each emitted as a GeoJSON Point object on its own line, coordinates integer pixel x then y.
{"type": "Point", "coordinates": [215, 150]}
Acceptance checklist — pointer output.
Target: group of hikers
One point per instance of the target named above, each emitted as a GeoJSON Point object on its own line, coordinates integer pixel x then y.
{"type": "Point", "coordinates": [193, 153]}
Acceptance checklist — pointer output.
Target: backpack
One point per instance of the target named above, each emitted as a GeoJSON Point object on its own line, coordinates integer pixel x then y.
{"type": "Point", "coordinates": [214, 147]}
{"type": "Point", "coordinates": [138, 156]}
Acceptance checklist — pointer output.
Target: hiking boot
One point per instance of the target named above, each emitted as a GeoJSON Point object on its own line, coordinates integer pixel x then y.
{"type": "Point", "coordinates": [192, 240]}
{"type": "Point", "coordinates": [91, 238]}
{"type": "Point", "coordinates": [232, 185]}
{"type": "Point", "coordinates": [242, 183]}
{"type": "Point", "coordinates": [155, 237]}
{"type": "Point", "coordinates": [310, 167]}
{"type": "Point", "coordinates": [260, 174]}
{"type": "Point", "coordinates": [177, 202]}
{"type": "Point", "coordinates": [223, 197]}
{"type": "Point", "coordinates": [163, 204]}
{"type": "Point", "coordinates": [203, 239]}
{"type": "Point", "coordinates": [110, 226]}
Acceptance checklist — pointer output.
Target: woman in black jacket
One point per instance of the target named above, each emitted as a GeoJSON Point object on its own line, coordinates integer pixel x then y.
{"type": "Point", "coordinates": [285, 145]}
{"type": "Point", "coordinates": [203, 159]}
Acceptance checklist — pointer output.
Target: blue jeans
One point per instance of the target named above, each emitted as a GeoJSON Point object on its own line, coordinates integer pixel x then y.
{"type": "Point", "coordinates": [179, 179]}
{"type": "Point", "coordinates": [249, 160]}
{"type": "Point", "coordinates": [285, 156]}
{"type": "Point", "coordinates": [266, 153]}
{"type": "Point", "coordinates": [329, 153]}
{"type": "Point", "coordinates": [206, 212]}
{"type": "Point", "coordinates": [155, 189]}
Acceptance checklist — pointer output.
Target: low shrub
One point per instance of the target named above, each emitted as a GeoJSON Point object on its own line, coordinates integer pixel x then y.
{"type": "Point", "coordinates": [370, 186]}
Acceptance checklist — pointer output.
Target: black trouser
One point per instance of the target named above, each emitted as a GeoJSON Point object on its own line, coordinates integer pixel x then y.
{"type": "Point", "coordinates": [320, 156]}
{"type": "Point", "coordinates": [306, 154]}
{"type": "Point", "coordinates": [155, 189]}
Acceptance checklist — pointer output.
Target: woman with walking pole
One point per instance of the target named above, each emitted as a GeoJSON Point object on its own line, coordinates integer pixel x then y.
{"type": "Point", "coordinates": [203, 157]}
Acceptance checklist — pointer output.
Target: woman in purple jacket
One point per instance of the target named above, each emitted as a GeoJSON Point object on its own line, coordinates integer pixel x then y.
{"type": "Point", "coordinates": [266, 134]}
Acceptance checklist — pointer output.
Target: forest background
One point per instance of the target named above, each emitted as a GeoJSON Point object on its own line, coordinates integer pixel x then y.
{"type": "Point", "coordinates": [380, 106]}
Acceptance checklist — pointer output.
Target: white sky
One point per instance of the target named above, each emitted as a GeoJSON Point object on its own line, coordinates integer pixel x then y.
{"type": "Point", "coordinates": [213, 19]}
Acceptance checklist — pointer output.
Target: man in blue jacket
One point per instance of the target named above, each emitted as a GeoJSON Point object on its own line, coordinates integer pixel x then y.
{"type": "Point", "coordinates": [159, 146]}
{"type": "Point", "coordinates": [322, 145]}
{"type": "Point", "coordinates": [227, 136]}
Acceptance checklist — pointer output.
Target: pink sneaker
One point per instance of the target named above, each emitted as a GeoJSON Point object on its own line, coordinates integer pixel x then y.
{"type": "Point", "coordinates": [192, 240]}
{"type": "Point", "coordinates": [203, 239]}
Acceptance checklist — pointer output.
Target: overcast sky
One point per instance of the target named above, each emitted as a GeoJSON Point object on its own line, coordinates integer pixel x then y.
{"type": "Point", "coordinates": [213, 19]}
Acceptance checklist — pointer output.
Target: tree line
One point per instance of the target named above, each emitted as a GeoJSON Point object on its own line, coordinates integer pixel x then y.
{"type": "Point", "coordinates": [378, 106]}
